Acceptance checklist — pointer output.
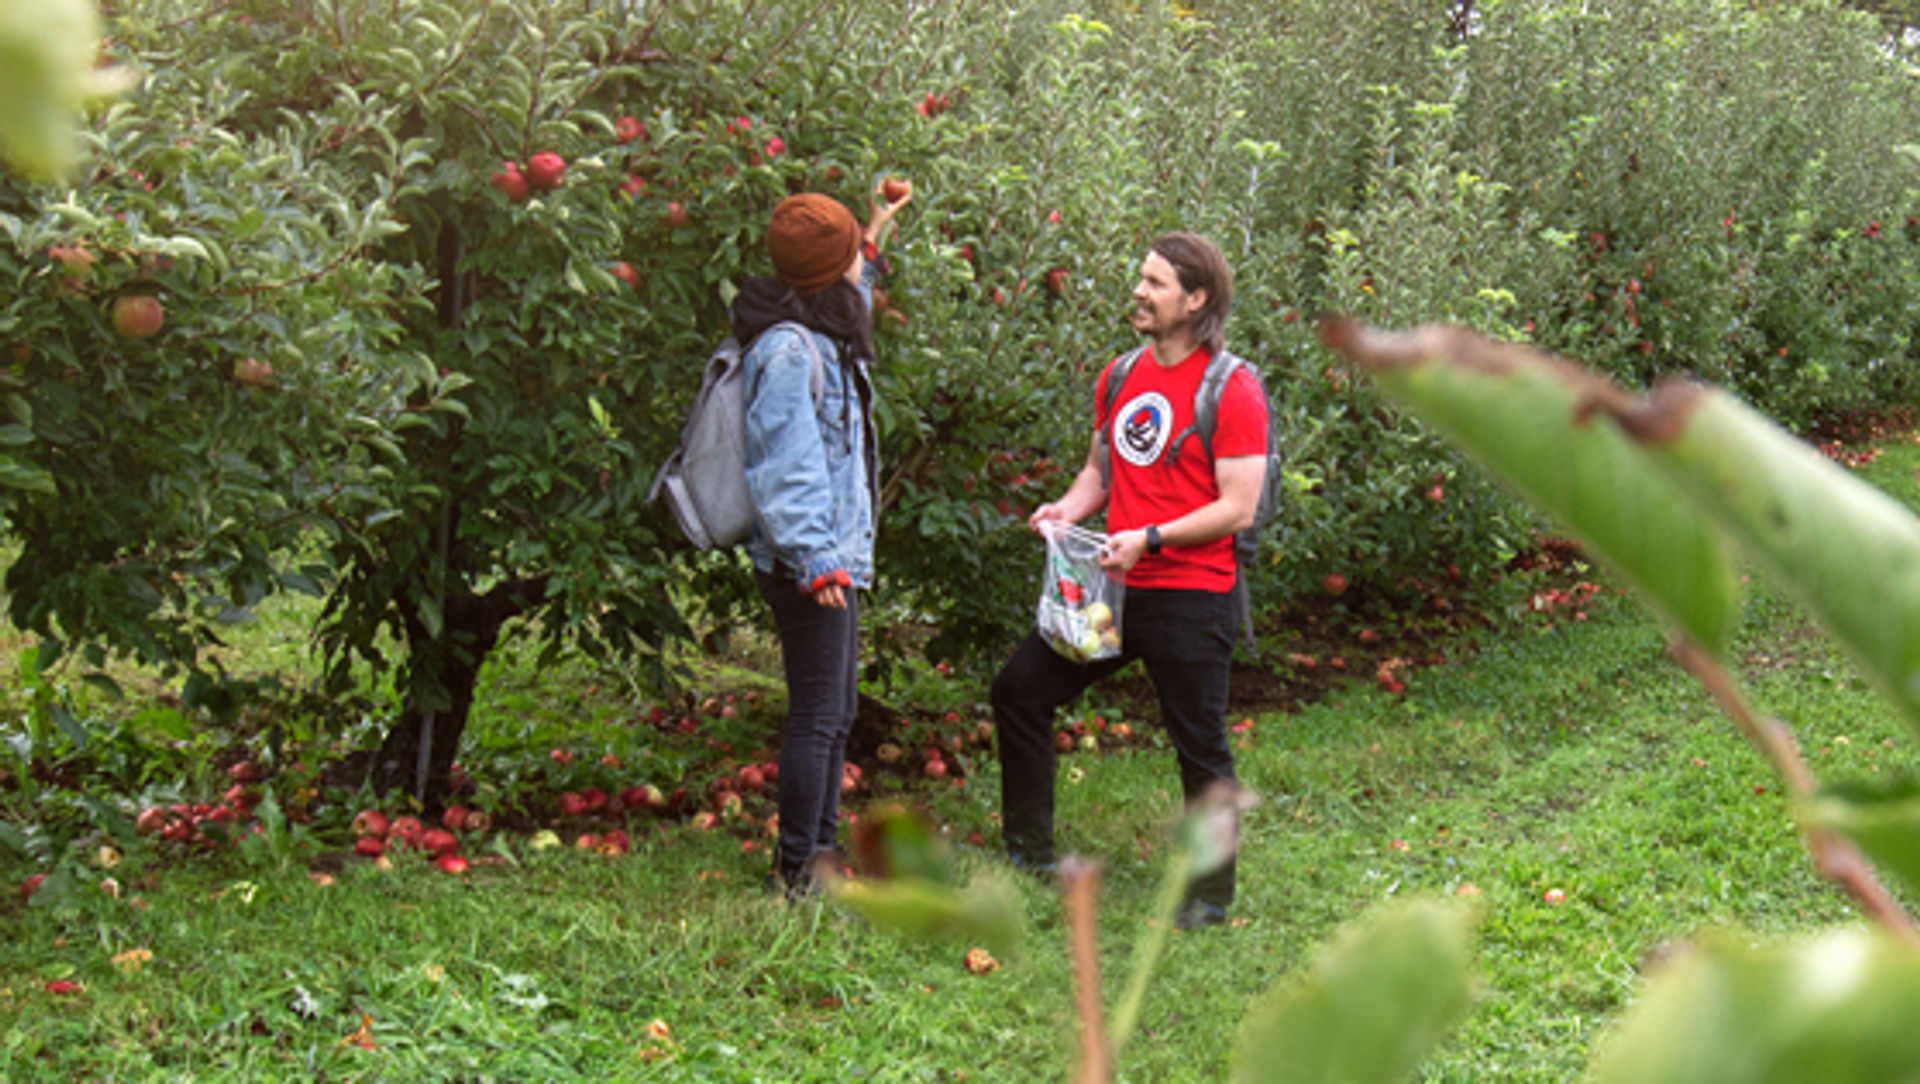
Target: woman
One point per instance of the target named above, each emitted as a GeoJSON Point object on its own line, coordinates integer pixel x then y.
{"type": "Point", "coordinates": [808, 334]}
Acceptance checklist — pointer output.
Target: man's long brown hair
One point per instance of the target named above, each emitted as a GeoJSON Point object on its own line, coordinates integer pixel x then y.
{"type": "Point", "coordinates": [1200, 266]}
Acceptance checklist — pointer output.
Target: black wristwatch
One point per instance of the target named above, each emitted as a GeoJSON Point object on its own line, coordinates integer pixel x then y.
{"type": "Point", "coordinates": [1153, 540]}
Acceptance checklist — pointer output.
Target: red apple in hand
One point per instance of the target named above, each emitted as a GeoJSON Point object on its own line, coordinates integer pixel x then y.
{"type": "Point", "coordinates": [138, 316]}
{"type": "Point", "coordinates": [894, 189]}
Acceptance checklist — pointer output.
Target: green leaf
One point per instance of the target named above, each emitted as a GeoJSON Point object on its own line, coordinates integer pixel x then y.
{"type": "Point", "coordinates": [1376, 1003]}
{"type": "Point", "coordinates": [105, 684]}
{"type": "Point", "coordinates": [167, 721]}
{"type": "Point", "coordinates": [987, 911]}
{"type": "Point", "coordinates": [1848, 551]}
{"type": "Point", "coordinates": [69, 724]}
{"type": "Point", "coordinates": [47, 52]}
{"type": "Point", "coordinates": [20, 475]}
{"type": "Point", "coordinates": [1883, 820]}
{"type": "Point", "coordinates": [1837, 1008]}
{"type": "Point", "coordinates": [429, 613]}
{"type": "Point", "coordinates": [1523, 413]}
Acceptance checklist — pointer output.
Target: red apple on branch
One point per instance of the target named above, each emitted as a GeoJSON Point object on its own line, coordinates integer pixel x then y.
{"type": "Point", "coordinates": [512, 183]}
{"type": "Point", "coordinates": [545, 169]}
{"type": "Point", "coordinates": [138, 316]}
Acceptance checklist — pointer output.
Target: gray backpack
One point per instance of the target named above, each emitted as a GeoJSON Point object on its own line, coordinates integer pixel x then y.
{"type": "Point", "coordinates": [705, 479]}
{"type": "Point", "coordinates": [1206, 416]}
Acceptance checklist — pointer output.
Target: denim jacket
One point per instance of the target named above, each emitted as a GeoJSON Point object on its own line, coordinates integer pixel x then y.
{"type": "Point", "coordinates": [813, 471]}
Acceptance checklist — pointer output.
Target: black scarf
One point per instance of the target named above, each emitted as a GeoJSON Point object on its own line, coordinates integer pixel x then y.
{"type": "Point", "coordinates": [837, 311]}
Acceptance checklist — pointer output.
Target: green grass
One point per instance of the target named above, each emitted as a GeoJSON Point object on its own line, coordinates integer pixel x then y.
{"type": "Point", "coordinates": [1576, 757]}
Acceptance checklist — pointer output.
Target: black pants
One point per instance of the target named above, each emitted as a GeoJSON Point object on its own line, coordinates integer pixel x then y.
{"type": "Point", "coordinates": [1185, 638]}
{"type": "Point", "coordinates": [820, 651]}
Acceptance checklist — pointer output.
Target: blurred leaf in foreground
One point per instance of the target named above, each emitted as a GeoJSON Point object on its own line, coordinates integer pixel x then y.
{"type": "Point", "coordinates": [1378, 1000]}
{"type": "Point", "coordinates": [47, 74]}
{"type": "Point", "coordinates": [1837, 1009]}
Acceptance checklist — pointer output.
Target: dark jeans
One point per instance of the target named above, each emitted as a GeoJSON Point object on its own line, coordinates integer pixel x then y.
{"type": "Point", "coordinates": [819, 648]}
{"type": "Point", "coordinates": [1185, 638]}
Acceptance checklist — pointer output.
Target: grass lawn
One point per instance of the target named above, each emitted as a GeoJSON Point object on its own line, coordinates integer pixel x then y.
{"type": "Point", "coordinates": [1573, 756]}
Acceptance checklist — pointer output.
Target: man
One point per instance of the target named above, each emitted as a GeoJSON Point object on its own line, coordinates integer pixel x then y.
{"type": "Point", "coordinates": [1171, 514]}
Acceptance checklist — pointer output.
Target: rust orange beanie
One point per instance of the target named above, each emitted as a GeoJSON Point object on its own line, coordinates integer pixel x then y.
{"type": "Point", "coordinates": [813, 239]}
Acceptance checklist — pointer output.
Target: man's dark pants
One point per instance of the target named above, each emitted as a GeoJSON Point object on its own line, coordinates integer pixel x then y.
{"type": "Point", "coordinates": [1185, 639]}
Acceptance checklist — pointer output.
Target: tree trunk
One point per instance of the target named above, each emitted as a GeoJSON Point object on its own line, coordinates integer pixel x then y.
{"type": "Point", "coordinates": [451, 661]}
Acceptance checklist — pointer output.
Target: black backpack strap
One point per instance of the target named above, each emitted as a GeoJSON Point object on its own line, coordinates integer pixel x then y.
{"type": "Point", "coordinates": [1110, 385]}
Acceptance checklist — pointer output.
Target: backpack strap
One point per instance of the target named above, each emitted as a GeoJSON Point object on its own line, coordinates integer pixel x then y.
{"type": "Point", "coordinates": [813, 354]}
{"type": "Point", "coordinates": [819, 381]}
{"type": "Point", "coordinates": [1206, 403]}
{"type": "Point", "coordinates": [1110, 385]}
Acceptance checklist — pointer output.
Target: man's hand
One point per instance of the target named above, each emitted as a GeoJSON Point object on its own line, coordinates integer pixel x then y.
{"type": "Point", "coordinates": [1123, 551]}
{"type": "Point", "coordinates": [1050, 512]}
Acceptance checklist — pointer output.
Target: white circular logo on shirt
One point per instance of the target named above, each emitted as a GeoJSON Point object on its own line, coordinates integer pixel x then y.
{"type": "Point", "coordinates": [1142, 427]}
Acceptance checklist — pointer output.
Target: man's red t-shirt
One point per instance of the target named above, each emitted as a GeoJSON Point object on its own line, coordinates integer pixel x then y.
{"type": "Point", "coordinates": [1155, 404]}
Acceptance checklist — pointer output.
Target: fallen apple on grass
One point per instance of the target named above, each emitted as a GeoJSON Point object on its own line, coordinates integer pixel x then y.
{"type": "Point", "coordinates": [438, 841]}
{"type": "Point", "coordinates": [406, 829]}
{"type": "Point", "coordinates": [150, 821]}
{"type": "Point", "coordinates": [371, 822]}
